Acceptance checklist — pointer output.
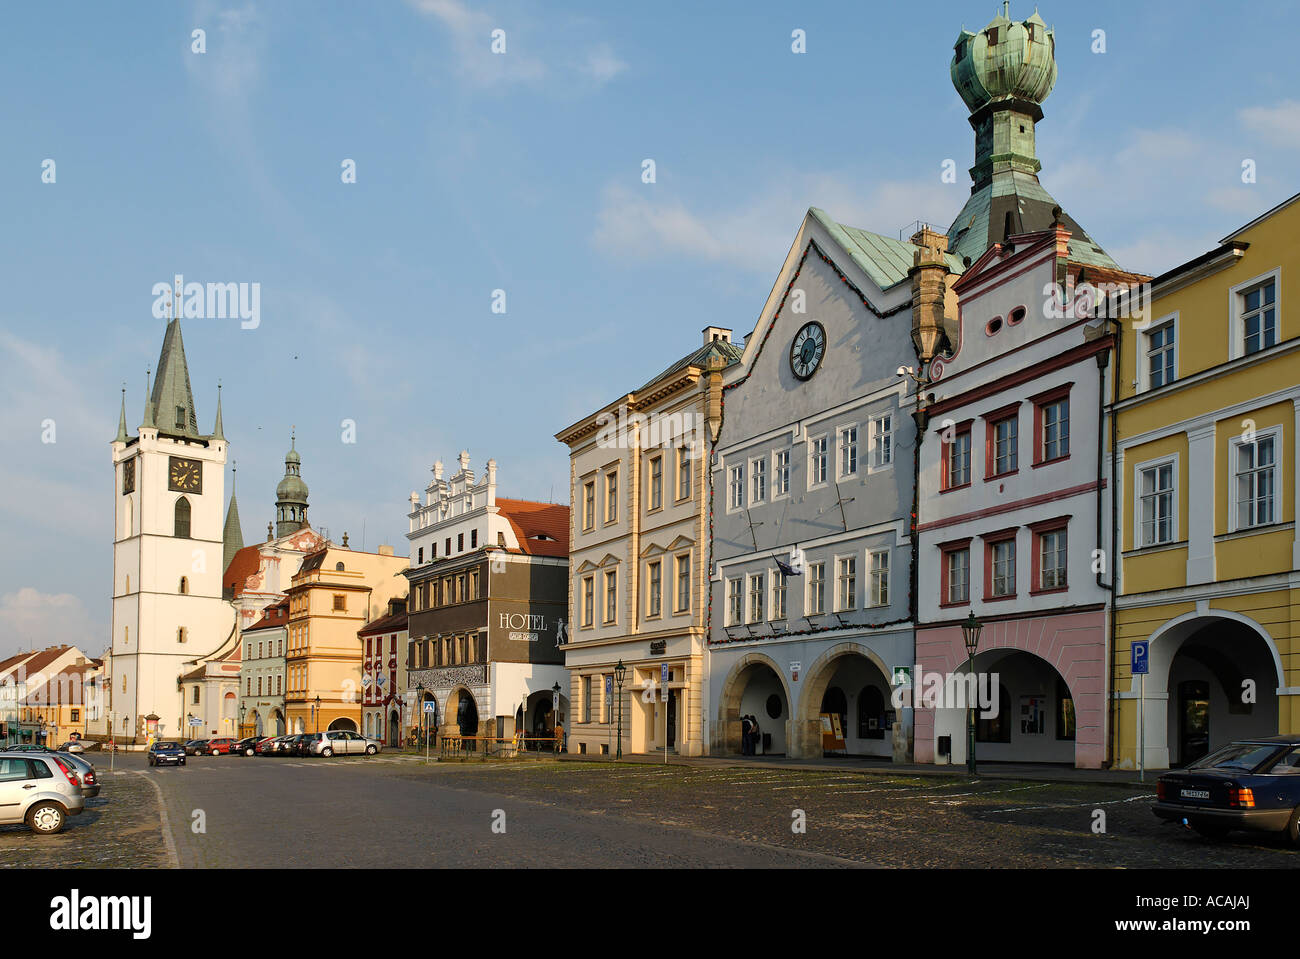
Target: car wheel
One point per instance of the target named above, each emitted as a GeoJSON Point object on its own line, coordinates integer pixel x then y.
{"type": "Point", "coordinates": [181, 762]}
{"type": "Point", "coordinates": [1292, 830]}
{"type": "Point", "coordinates": [248, 751]}
{"type": "Point", "coordinates": [46, 818]}
{"type": "Point", "coordinates": [216, 752]}
{"type": "Point", "coordinates": [1210, 830]}
{"type": "Point", "coordinates": [371, 750]}
{"type": "Point", "coordinates": [327, 752]}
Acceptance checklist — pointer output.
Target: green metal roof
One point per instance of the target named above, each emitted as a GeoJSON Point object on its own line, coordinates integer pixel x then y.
{"type": "Point", "coordinates": [171, 390]}
{"type": "Point", "coordinates": [884, 259]}
{"type": "Point", "coordinates": [729, 352]}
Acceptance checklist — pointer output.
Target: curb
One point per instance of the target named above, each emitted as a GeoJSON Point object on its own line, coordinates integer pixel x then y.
{"type": "Point", "coordinates": [166, 823]}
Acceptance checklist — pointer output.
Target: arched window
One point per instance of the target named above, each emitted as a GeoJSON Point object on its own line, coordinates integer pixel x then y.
{"type": "Point", "coordinates": [128, 583]}
{"type": "Point", "coordinates": [180, 634]}
{"type": "Point", "coordinates": [185, 585]}
{"type": "Point", "coordinates": [182, 529]}
{"type": "Point", "coordinates": [338, 567]}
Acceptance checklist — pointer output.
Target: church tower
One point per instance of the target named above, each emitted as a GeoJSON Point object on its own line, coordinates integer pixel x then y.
{"type": "Point", "coordinates": [169, 482]}
{"type": "Point", "coordinates": [291, 495]}
{"type": "Point", "coordinates": [1003, 74]}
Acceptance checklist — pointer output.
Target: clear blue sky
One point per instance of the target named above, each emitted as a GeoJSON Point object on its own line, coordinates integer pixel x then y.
{"type": "Point", "coordinates": [520, 172]}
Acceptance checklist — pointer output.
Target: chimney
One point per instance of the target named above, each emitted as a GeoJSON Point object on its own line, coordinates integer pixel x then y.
{"type": "Point", "coordinates": [385, 551]}
{"type": "Point", "coordinates": [929, 274]}
{"type": "Point", "coordinates": [713, 397]}
{"type": "Point", "coordinates": [712, 333]}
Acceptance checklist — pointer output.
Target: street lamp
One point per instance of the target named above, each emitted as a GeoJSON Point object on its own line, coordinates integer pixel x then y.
{"type": "Point", "coordinates": [316, 713]}
{"type": "Point", "coordinates": [242, 710]}
{"type": "Point", "coordinates": [555, 715]}
{"type": "Point", "coordinates": [970, 632]}
{"type": "Point", "coordinates": [620, 674]}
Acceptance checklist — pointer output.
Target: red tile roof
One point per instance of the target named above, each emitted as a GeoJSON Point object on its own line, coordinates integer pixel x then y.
{"type": "Point", "coordinates": [49, 693]}
{"type": "Point", "coordinates": [385, 624]}
{"type": "Point", "coordinates": [277, 614]}
{"type": "Point", "coordinates": [243, 564]}
{"type": "Point", "coordinates": [43, 658]}
{"type": "Point", "coordinates": [529, 520]}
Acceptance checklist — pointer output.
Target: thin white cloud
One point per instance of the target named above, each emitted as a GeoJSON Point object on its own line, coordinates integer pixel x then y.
{"type": "Point", "coordinates": [471, 37]}
{"type": "Point", "coordinates": [30, 619]}
{"type": "Point", "coordinates": [602, 64]}
{"type": "Point", "coordinates": [1278, 124]}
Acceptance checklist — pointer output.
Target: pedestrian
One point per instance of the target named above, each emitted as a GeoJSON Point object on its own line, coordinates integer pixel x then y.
{"type": "Point", "coordinates": [756, 733]}
{"type": "Point", "coordinates": [744, 735]}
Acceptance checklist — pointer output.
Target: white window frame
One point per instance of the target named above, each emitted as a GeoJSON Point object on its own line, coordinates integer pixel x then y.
{"type": "Point", "coordinates": [735, 487]}
{"type": "Point", "coordinates": [781, 490]}
{"type": "Point", "coordinates": [809, 609]}
{"type": "Point", "coordinates": [947, 554]}
{"type": "Point", "coordinates": [654, 485]}
{"type": "Point", "coordinates": [846, 449]}
{"type": "Point", "coordinates": [588, 601]}
{"type": "Point", "coordinates": [780, 598]}
{"type": "Point", "coordinates": [1138, 469]}
{"type": "Point", "coordinates": [735, 601]}
{"type": "Point", "coordinates": [610, 576]}
{"type": "Point", "coordinates": [684, 468]}
{"type": "Point", "coordinates": [680, 560]}
{"type": "Point", "coordinates": [1234, 444]}
{"type": "Point", "coordinates": [589, 504]}
{"type": "Point", "coordinates": [756, 594]}
{"type": "Point", "coordinates": [839, 605]}
{"type": "Point", "coordinates": [654, 603]}
{"type": "Point", "coordinates": [1236, 298]}
{"type": "Point", "coordinates": [826, 455]}
{"type": "Point", "coordinates": [611, 503]}
{"type": "Point", "coordinates": [874, 462]}
{"type": "Point", "coordinates": [875, 577]}
{"type": "Point", "coordinates": [1143, 381]}
{"type": "Point", "coordinates": [757, 479]}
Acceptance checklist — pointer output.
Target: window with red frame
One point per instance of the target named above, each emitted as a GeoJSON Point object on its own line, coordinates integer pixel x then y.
{"type": "Point", "coordinates": [1000, 567]}
{"type": "Point", "coordinates": [954, 574]}
{"type": "Point", "coordinates": [1052, 425]}
{"type": "Point", "coordinates": [1002, 443]}
{"type": "Point", "coordinates": [956, 458]}
{"type": "Point", "coordinates": [1051, 557]}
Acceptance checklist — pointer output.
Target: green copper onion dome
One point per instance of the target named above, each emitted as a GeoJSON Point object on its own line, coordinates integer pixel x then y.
{"type": "Point", "coordinates": [1005, 60]}
{"type": "Point", "coordinates": [291, 495]}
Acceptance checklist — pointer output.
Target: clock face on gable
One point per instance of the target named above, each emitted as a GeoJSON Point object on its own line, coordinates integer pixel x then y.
{"type": "Point", "coordinates": [807, 350]}
{"type": "Point", "coordinates": [184, 476]}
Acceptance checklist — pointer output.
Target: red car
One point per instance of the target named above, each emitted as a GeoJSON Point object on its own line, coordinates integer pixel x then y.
{"type": "Point", "coordinates": [216, 747]}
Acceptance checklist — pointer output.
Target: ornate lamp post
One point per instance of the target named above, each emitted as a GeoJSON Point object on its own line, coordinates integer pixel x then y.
{"type": "Point", "coordinates": [316, 713]}
{"type": "Point", "coordinates": [620, 674]}
{"type": "Point", "coordinates": [970, 632]}
{"type": "Point", "coordinates": [242, 710]}
{"type": "Point", "coordinates": [555, 715]}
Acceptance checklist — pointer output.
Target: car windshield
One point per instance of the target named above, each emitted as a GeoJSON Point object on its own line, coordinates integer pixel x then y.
{"type": "Point", "coordinates": [166, 746]}
{"type": "Point", "coordinates": [1245, 756]}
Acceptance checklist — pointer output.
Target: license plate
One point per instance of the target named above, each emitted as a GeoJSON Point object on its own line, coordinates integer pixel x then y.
{"type": "Point", "coordinates": [1194, 793]}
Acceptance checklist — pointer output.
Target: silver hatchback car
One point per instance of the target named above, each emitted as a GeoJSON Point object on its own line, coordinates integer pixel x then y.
{"type": "Point", "coordinates": [37, 790]}
{"type": "Point", "coordinates": [340, 742]}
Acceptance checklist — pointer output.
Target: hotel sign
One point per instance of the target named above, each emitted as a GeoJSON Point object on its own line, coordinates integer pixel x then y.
{"type": "Point", "coordinates": [524, 627]}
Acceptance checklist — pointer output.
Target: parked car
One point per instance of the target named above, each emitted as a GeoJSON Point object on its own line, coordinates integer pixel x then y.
{"type": "Point", "coordinates": [38, 790]}
{"type": "Point", "coordinates": [1251, 784]}
{"type": "Point", "coordinates": [342, 742]}
{"type": "Point", "coordinates": [196, 747]}
{"type": "Point", "coordinates": [219, 746]}
{"type": "Point", "coordinates": [301, 745]}
{"type": "Point", "coordinates": [89, 779]}
{"type": "Point", "coordinates": [163, 753]}
{"type": "Point", "coordinates": [246, 746]}
{"type": "Point", "coordinates": [72, 746]}
{"type": "Point", "coordinates": [267, 746]}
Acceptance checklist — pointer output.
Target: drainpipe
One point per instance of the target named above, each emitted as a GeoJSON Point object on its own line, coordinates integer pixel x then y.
{"type": "Point", "coordinates": [1114, 532]}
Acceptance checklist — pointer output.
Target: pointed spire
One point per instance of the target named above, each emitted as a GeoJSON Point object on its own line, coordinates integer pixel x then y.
{"type": "Point", "coordinates": [173, 401]}
{"type": "Point", "coordinates": [217, 434]}
{"type": "Point", "coordinates": [148, 402]}
{"type": "Point", "coordinates": [232, 537]}
{"type": "Point", "coordinates": [121, 420]}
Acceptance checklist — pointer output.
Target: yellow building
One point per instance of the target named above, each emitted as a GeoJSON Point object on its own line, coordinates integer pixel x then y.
{"type": "Point", "coordinates": [1206, 421]}
{"type": "Point", "coordinates": [58, 704]}
{"type": "Point", "coordinates": [335, 593]}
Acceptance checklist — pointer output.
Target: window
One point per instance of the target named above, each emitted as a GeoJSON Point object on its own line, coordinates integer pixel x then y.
{"type": "Point", "coordinates": [848, 457]}
{"type": "Point", "coordinates": [734, 601]}
{"type": "Point", "coordinates": [586, 699]}
{"type": "Point", "coordinates": [1255, 485]}
{"type": "Point", "coordinates": [588, 507]}
{"type": "Point", "coordinates": [1051, 557]}
{"type": "Point", "coordinates": [473, 539]}
{"type": "Point", "coordinates": [460, 542]}
{"type": "Point", "coordinates": [1052, 425]}
{"type": "Point", "coordinates": [684, 473]}
{"type": "Point", "coordinates": [655, 482]}
{"type": "Point", "coordinates": [259, 685]}
{"type": "Point", "coordinates": [846, 583]}
{"type": "Point", "coordinates": [1001, 568]}
{"type": "Point", "coordinates": [194, 701]}
{"type": "Point", "coordinates": [420, 560]}
{"type": "Point", "coordinates": [1160, 356]}
{"type": "Point", "coordinates": [955, 458]}
{"type": "Point", "coordinates": [878, 568]}
{"type": "Point", "coordinates": [779, 587]}
{"type": "Point", "coordinates": [758, 480]}
{"type": "Point", "coordinates": [736, 487]}
{"type": "Point", "coordinates": [816, 589]}
{"type": "Point", "coordinates": [76, 715]}
{"type": "Point", "coordinates": [588, 599]}
{"type": "Point", "coordinates": [185, 586]}
{"type": "Point", "coordinates": [654, 589]}
{"type": "Point", "coordinates": [1002, 453]}
{"type": "Point", "coordinates": [1259, 316]}
{"type": "Point", "coordinates": [447, 547]}
{"type": "Point", "coordinates": [817, 460]}
{"type": "Point", "coordinates": [277, 685]}
{"type": "Point", "coordinates": [180, 417]}
{"type": "Point", "coordinates": [955, 575]}
{"type": "Point", "coordinates": [756, 598]}
{"type": "Point", "coordinates": [611, 497]}
{"type": "Point", "coordinates": [683, 583]}
{"type": "Point", "coordinates": [182, 519]}
{"type": "Point", "coordinates": [181, 634]}
{"type": "Point", "coordinates": [611, 595]}
{"type": "Point", "coordinates": [780, 473]}
{"type": "Point", "coordinates": [882, 440]}
{"type": "Point", "coordinates": [1156, 518]}
{"type": "Point", "coordinates": [340, 603]}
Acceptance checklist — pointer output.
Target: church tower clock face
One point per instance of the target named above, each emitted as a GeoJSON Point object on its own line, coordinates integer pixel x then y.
{"type": "Point", "coordinates": [184, 475]}
{"type": "Point", "coordinates": [807, 350]}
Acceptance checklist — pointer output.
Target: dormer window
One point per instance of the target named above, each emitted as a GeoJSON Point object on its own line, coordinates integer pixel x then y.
{"type": "Point", "coordinates": [180, 417]}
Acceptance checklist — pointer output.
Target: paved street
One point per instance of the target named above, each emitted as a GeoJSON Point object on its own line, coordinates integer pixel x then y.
{"type": "Point", "coordinates": [392, 810]}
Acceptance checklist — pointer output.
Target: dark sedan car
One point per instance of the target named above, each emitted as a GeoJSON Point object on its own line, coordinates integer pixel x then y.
{"type": "Point", "coordinates": [166, 753]}
{"type": "Point", "coordinates": [196, 747]}
{"type": "Point", "coordinates": [1252, 785]}
{"type": "Point", "coordinates": [301, 745]}
{"type": "Point", "coordinates": [267, 747]}
{"type": "Point", "coordinates": [245, 747]}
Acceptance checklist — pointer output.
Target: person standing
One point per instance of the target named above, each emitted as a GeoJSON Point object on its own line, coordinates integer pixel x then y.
{"type": "Point", "coordinates": [744, 735]}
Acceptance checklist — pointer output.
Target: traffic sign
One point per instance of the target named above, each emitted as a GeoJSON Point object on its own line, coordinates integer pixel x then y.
{"type": "Point", "coordinates": [663, 677]}
{"type": "Point", "coordinates": [428, 707]}
{"type": "Point", "coordinates": [195, 722]}
{"type": "Point", "coordinates": [1141, 657]}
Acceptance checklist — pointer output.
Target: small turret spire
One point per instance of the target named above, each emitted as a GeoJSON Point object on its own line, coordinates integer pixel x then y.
{"type": "Point", "coordinates": [148, 402]}
{"type": "Point", "coordinates": [217, 433]}
{"type": "Point", "coordinates": [232, 536]}
{"type": "Point", "coordinates": [121, 420]}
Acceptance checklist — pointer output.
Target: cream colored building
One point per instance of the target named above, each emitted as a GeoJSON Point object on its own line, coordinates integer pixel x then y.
{"type": "Point", "coordinates": [335, 593]}
{"type": "Point", "coordinates": [638, 558]}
